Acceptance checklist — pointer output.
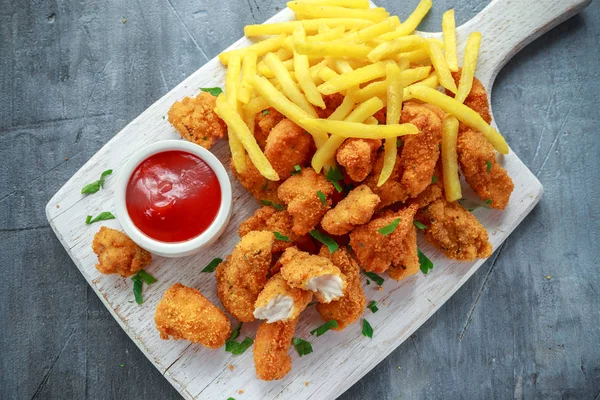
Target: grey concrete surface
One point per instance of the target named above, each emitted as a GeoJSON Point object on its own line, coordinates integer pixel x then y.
{"type": "Point", "coordinates": [72, 74]}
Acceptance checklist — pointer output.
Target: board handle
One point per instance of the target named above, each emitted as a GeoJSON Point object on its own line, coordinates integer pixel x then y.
{"type": "Point", "coordinates": [507, 26]}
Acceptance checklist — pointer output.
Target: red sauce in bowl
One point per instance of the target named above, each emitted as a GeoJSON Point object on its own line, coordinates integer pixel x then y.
{"type": "Point", "coordinates": [173, 196]}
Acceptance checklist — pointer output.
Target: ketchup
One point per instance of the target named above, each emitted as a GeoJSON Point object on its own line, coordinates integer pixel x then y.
{"type": "Point", "coordinates": [173, 196]}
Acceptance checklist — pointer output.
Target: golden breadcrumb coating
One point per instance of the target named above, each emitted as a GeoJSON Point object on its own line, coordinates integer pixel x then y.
{"type": "Point", "coordinates": [278, 286]}
{"type": "Point", "coordinates": [349, 308]}
{"type": "Point", "coordinates": [432, 192]}
{"type": "Point", "coordinates": [299, 193]}
{"type": "Point", "coordinates": [184, 313]}
{"type": "Point", "coordinates": [269, 219]}
{"type": "Point", "coordinates": [409, 264]}
{"type": "Point", "coordinates": [357, 156]}
{"type": "Point", "coordinates": [477, 159]}
{"type": "Point", "coordinates": [477, 99]}
{"type": "Point", "coordinates": [288, 145]}
{"type": "Point", "coordinates": [377, 252]}
{"type": "Point", "coordinates": [455, 231]}
{"type": "Point", "coordinates": [332, 102]}
{"type": "Point", "coordinates": [243, 275]}
{"type": "Point", "coordinates": [257, 185]}
{"type": "Point", "coordinates": [271, 346]}
{"type": "Point", "coordinates": [195, 119]}
{"type": "Point", "coordinates": [299, 267]}
{"type": "Point", "coordinates": [266, 120]}
{"type": "Point", "coordinates": [355, 209]}
{"type": "Point", "coordinates": [118, 254]}
{"type": "Point", "coordinates": [392, 191]}
{"type": "Point", "coordinates": [420, 152]}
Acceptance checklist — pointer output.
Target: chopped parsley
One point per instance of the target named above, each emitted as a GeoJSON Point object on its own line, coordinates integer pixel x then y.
{"type": "Point", "coordinates": [297, 169]}
{"type": "Point", "coordinates": [302, 346]}
{"type": "Point", "coordinates": [426, 264]}
{"type": "Point", "coordinates": [322, 197]}
{"type": "Point", "coordinates": [488, 165]}
{"type": "Point", "coordinates": [146, 277]}
{"type": "Point", "coordinates": [312, 303]}
{"type": "Point", "coordinates": [283, 238]}
{"type": "Point", "coordinates": [399, 142]}
{"type": "Point", "coordinates": [375, 278]}
{"type": "Point", "coordinates": [215, 91]}
{"type": "Point", "coordinates": [420, 225]}
{"type": "Point", "coordinates": [367, 329]}
{"type": "Point", "coordinates": [97, 185]}
{"type": "Point", "coordinates": [278, 207]}
{"type": "Point", "coordinates": [236, 348]}
{"type": "Point", "coordinates": [138, 282]}
{"type": "Point", "coordinates": [433, 179]}
{"type": "Point", "coordinates": [230, 398]}
{"type": "Point", "coordinates": [326, 240]}
{"type": "Point", "coordinates": [212, 265]}
{"type": "Point", "coordinates": [235, 333]}
{"type": "Point", "coordinates": [373, 306]}
{"type": "Point", "coordinates": [488, 201]}
{"type": "Point", "coordinates": [334, 175]}
{"type": "Point", "coordinates": [368, 282]}
{"type": "Point", "coordinates": [332, 323]}
{"type": "Point", "coordinates": [121, 365]}
{"type": "Point", "coordinates": [103, 216]}
{"type": "Point", "coordinates": [386, 230]}
{"type": "Point", "coordinates": [265, 112]}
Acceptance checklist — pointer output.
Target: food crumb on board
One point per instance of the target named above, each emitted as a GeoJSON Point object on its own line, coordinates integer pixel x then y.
{"type": "Point", "coordinates": [548, 277]}
{"type": "Point", "coordinates": [124, 20]}
{"type": "Point", "coordinates": [399, 368]}
{"type": "Point", "coordinates": [66, 158]}
{"type": "Point", "coordinates": [231, 367]}
{"type": "Point", "coordinates": [306, 383]}
{"type": "Point", "coordinates": [241, 391]}
{"type": "Point", "coordinates": [380, 288]}
{"type": "Point", "coordinates": [58, 206]}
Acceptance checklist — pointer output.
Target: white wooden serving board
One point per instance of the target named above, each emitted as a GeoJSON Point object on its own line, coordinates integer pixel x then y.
{"type": "Point", "coordinates": [339, 359]}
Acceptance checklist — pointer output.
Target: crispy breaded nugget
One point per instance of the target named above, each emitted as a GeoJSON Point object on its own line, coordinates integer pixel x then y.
{"type": "Point", "coordinates": [288, 145]}
{"type": "Point", "coordinates": [195, 119]}
{"type": "Point", "coordinates": [420, 152]}
{"type": "Point", "coordinates": [314, 273]}
{"type": "Point", "coordinates": [256, 184]}
{"type": "Point", "coordinates": [266, 120]}
{"type": "Point", "coordinates": [184, 313]}
{"type": "Point", "coordinates": [299, 193]}
{"type": "Point", "coordinates": [350, 307]}
{"type": "Point", "coordinates": [377, 252]}
{"type": "Point", "coordinates": [477, 159]}
{"type": "Point", "coordinates": [118, 254]}
{"type": "Point", "coordinates": [357, 156]}
{"type": "Point", "coordinates": [269, 219]}
{"type": "Point", "coordinates": [392, 191]}
{"type": "Point", "coordinates": [409, 264]}
{"type": "Point", "coordinates": [455, 231]}
{"type": "Point", "coordinates": [434, 191]}
{"type": "Point", "coordinates": [476, 100]}
{"type": "Point", "coordinates": [243, 275]}
{"type": "Point", "coordinates": [355, 209]}
{"type": "Point", "coordinates": [271, 346]}
{"type": "Point", "coordinates": [332, 102]}
{"type": "Point", "coordinates": [278, 301]}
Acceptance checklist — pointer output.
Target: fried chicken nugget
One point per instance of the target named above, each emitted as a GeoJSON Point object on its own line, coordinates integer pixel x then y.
{"type": "Point", "coordinates": [420, 152]}
{"type": "Point", "coordinates": [350, 307]}
{"type": "Point", "coordinates": [269, 219]}
{"type": "Point", "coordinates": [434, 191]}
{"type": "Point", "coordinates": [477, 99]}
{"type": "Point", "coordinates": [195, 119]}
{"type": "Point", "coordinates": [392, 191]}
{"type": "Point", "coordinates": [257, 185]}
{"type": "Point", "coordinates": [271, 346]}
{"type": "Point", "coordinates": [266, 120]}
{"type": "Point", "coordinates": [409, 264]}
{"type": "Point", "coordinates": [288, 145]}
{"type": "Point", "coordinates": [332, 102]}
{"type": "Point", "coordinates": [314, 273]}
{"type": "Point", "coordinates": [184, 313]}
{"type": "Point", "coordinates": [242, 277]}
{"type": "Point", "coordinates": [278, 301]}
{"type": "Point", "coordinates": [355, 209]}
{"type": "Point", "coordinates": [455, 231]}
{"type": "Point", "coordinates": [477, 159]}
{"type": "Point", "coordinates": [357, 156]}
{"type": "Point", "coordinates": [377, 252]}
{"type": "Point", "coordinates": [299, 193]}
{"type": "Point", "coordinates": [118, 254]}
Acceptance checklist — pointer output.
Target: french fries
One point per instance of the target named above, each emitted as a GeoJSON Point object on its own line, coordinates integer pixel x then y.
{"type": "Point", "coordinates": [327, 36]}
{"type": "Point", "coordinates": [394, 108]}
{"type": "Point", "coordinates": [358, 130]}
{"type": "Point", "coordinates": [301, 69]}
{"type": "Point", "coordinates": [449, 31]}
{"type": "Point", "coordinates": [407, 77]}
{"type": "Point", "coordinates": [411, 23]}
{"type": "Point", "coordinates": [387, 49]}
{"type": "Point", "coordinates": [469, 65]}
{"type": "Point", "coordinates": [310, 26]}
{"type": "Point", "coordinates": [450, 159]}
{"type": "Point", "coordinates": [261, 48]}
{"type": "Point", "coordinates": [441, 67]}
{"type": "Point", "coordinates": [231, 92]}
{"type": "Point", "coordinates": [352, 78]}
{"type": "Point", "coordinates": [248, 70]}
{"type": "Point", "coordinates": [461, 112]}
{"type": "Point", "coordinates": [339, 3]}
{"type": "Point", "coordinates": [307, 11]}
{"type": "Point", "coordinates": [333, 49]}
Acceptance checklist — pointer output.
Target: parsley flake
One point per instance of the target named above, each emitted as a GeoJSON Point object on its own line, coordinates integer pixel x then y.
{"type": "Point", "coordinates": [297, 169]}
{"type": "Point", "coordinates": [283, 238]}
{"type": "Point", "coordinates": [97, 185]}
{"type": "Point", "coordinates": [399, 142]}
{"type": "Point", "coordinates": [334, 175]}
{"type": "Point", "coordinates": [215, 91]}
{"type": "Point", "coordinates": [375, 278]}
{"type": "Point", "coordinates": [138, 283]}
{"type": "Point", "coordinates": [322, 197]}
{"type": "Point", "coordinates": [312, 303]}
{"type": "Point", "coordinates": [488, 201]}
{"type": "Point", "coordinates": [302, 346]}
{"type": "Point", "coordinates": [367, 329]}
{"type": "Point", "coordinates": [265, 112]}
{"type": "Point", "coordinates": [236, 348]}
{"type": "Point", "coordinates": [488, 165]}
{"type": "Point", "coordinates": [426, 264]}
{"type": "Point", "coordinates": [278, 207]}
{"type": "Point", "coordinates": [373, 306]}
{"type": "Point", "coordinates": [332, 323]}
{"type": "Point", "coordinates": [212, 265]}
{"type": "Point", "coordinates": [386, 230]}
{"type": "Point", "coordinates": [326, 240]}
{"type": "Point", "coordinates": [433, 179]}
{"type": "Point", "coordinates": [420, 225]}
{"type": "Point", "coordinates": [103, 216]}
{"type": "Point", "coordinates": [146, 277]}
{"type": "Point", "coordinates": [235, 333]}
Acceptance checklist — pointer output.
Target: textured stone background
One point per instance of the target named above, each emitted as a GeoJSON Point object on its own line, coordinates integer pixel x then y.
{"type": "Point", "coordinates": [72, 74]}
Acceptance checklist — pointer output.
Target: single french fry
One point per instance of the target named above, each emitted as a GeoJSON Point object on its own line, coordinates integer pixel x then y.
{"type": "Point", "coordinates": [452, 187]}
{"type": "Point", "coordinates": [360, 130]}
{"type": "Point", "coordinates": [463, 113]}
{"type": "Point", "coordinates": [371, 121]}
{"type": "Point", "coordinates": [238, 128]}
{"type": "Point", "coordinates": [307, 11]}
{"type": "Point", "coordinates": [267, 73]}
{"type": "Point", "coordinates": [431, 82]}
{"type": "Point", "coordinates": [314, 71]}
{"type": "Point", "coordinates": [394, 108]}
{"type": "Point", "coordinates": [232, 77]}
{"type": "Point", "coordinates": [249, 120]}
{"type": "Point", "coordinates": [310, 26]}
{"type": "Point", "coordinates": [288, 85]}
{"type": "Point", "coordinates": [411, 23]}
{"type": "Point", "coordinates": [341, 66]}
{"type": "Point", "coordinates": [301, 70]}
{"type": "Point", "coordinates": [257, 104]}
{"type": "Point", "coordinates": [278, 101]}
{"type": "Point", "coordinates": [449, 31]}
{"type": "Point", "coordinates": [261, 48]}
{"type": "Point", "coordinates": [326, 74]}
{"type": "Point", "coordinates": [441, 67]}
{"type": "Point", "coordinates": [343, 109]}
{"type": "Point", "coordinates": [469, 65]}
{"type": "Point", "coordinates": [248, 70]}
{"type": "Point", "coordinates": [327, 36]}
{"type": "Point", "coordinates": [338, 3]}
{"type": "Point", "coordinates": [352, 78]}
{"type": "Point", "coordinates": [414, 56]}
{"type": "Point", "coordinates": [393, 47]}
{"type": "Point", "coordinates": [324, 49]}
